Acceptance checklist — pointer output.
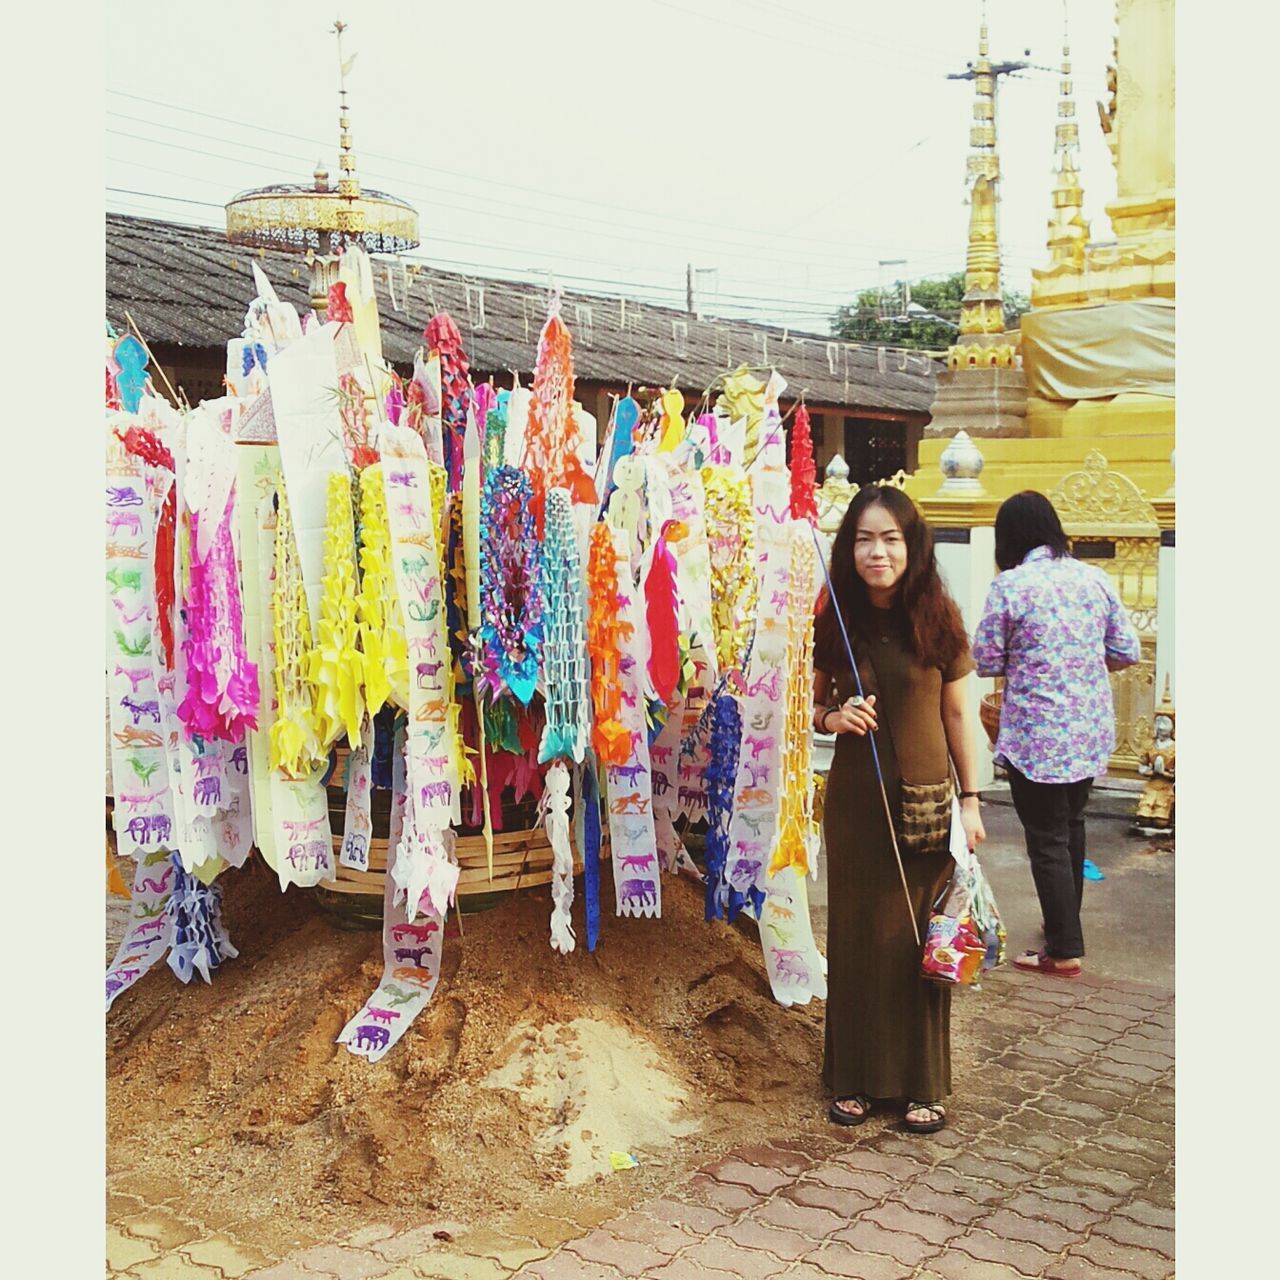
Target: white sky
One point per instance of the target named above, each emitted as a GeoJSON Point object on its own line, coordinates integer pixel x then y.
{"type": "Point", "coordinates": [790, 143]}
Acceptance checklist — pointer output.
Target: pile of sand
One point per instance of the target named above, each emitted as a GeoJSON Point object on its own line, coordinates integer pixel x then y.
{"type": "Point", "coordinates": [235, 1097]}
{"type": "Point", "coordinates": [602, 1089]}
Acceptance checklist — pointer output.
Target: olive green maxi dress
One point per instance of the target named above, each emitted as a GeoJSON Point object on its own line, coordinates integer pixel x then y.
{"type": "Point", "coordinates": [887, 1029]}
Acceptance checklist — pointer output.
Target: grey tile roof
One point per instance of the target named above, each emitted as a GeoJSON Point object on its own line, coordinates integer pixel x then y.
{"type": "Point", "coordinates": [190, 287]}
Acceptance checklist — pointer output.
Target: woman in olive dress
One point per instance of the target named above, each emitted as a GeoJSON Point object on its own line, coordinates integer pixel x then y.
{"type": "Point", "coordinates": [887, 1028]}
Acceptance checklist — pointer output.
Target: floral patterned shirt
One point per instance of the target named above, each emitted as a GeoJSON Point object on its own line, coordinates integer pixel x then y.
{"type": "Point", "coordinates": [1049, 627]}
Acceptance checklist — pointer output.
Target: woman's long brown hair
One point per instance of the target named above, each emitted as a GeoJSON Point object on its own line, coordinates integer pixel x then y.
{"type": "Point", "coordinates": [935, 629]}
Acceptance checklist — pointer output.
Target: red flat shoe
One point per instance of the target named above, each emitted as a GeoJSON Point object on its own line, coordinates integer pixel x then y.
{"type": "Point", "coordinates": [1040, 962]}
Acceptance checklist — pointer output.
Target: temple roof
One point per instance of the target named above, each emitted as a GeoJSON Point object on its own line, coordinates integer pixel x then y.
{"type": "Point", "coordinates": [189, 287]}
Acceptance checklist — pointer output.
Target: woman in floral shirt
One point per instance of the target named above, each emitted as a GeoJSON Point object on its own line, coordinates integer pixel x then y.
{"type": "Point", "coordinates": [1053, 627]}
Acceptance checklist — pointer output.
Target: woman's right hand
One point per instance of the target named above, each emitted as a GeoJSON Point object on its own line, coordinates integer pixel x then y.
{"type": "Point", "coordinates": [854, 716]}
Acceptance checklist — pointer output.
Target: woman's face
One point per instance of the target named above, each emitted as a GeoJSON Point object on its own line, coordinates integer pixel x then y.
{"type": "Point", "coordinates": [879, 551]}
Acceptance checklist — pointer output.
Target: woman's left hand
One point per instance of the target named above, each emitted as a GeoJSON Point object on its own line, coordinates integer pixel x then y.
{"type": "Point", "coordinates": [971, 821]}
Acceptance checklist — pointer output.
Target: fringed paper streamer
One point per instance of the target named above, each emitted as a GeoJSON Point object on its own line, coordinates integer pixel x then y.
{"type": "Point", "coordinates": [455, 386]}
{"type": "Point", "coordinates": [605, 634]}
{"type": "Point", "coordinates": [198, 941]}
{"type": "Point", "coordinates": [625, 416]}
{"type": "Point", "coordinates": [510, 586]}
{"type": "Point", "coordinates": [551, 442]}
{"type": "Point", "coordinates": [754, 828]}
{"type": "Point", "coordinates": [626, 506]}
{"type": "Point", "coordinates": [296, 749]}
{"type": "Point", "coordinates": [743, 397]}
{"type": "Point", "coordinates": [470, 509]}
{"type": "Point", "coordinates": [555, 808]}
{"type": "Point", "coordinates": [455, 594]}
{"type": "Point", "coordinates": [381, 619]}
{"type": "Point", "coordinates": [495, 432]}
{"type": "Point", "coordinates": [147, 937]}
{"type": "Point", "coordinates": [731, 541]}
{"type": "Point", "coordinates": [433, 743]}
{"type": "Point", "coordinates": [804, 503]}
{"type": "Point", "coordinates": [357, 827]}
{"type": "Point", "coordinates": [798, 834]}
{"type": "Point", "coordinates": [356, 437]}
{"type": "Point", "coordinates": [636, 872]}
{"type": "Point", "coordinates": [145, 445]}
{"type": "Point", "coordinates": [588, 814]}
{"type": "Point", "coordinates": [564, 647]}
{"type": "Point", "coordinates": [663, 758]}
{"type": "Point", "coordinates": [336, 663]}
{"type": "Point", "coordinates": [721, 773]}
{"type": "Point", "coordinates": [131, 378]}
{"type": "Point", "coordinates": [411, 952]}
{"type": "Point", "coordinates": [662, 614]}
{"type": "Point", "coordinates": [672, 426]}
{"type": "Point", "coordinates": [143, 813]}
{"type": "Point", "coordinates": [688, 542]}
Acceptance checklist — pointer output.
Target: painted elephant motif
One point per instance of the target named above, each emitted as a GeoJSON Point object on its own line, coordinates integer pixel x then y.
{"type": "Point", "coordinates": [642, 891]}
{"type": "Point", "coordinates": [138, 828]}
{"type": "Point", "coordinates": [207, 790]}
{"type": "Point", "coordinates": [371, 1036]}
{"type": "Point", "coordinates": [355, 847]}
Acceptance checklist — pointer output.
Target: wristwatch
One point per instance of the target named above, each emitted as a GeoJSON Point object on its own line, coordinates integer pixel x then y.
{"type": "Point", "coordinates": [971, 795]}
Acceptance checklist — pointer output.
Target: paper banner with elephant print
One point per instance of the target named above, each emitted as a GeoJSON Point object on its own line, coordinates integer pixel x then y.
{"type": "Point", "coordinates": [411, 951]}
{"type": "Point", "coordinates": [635, 850]}
{"type": "Point", "coordinates": [147, 938]}
{"type": "Point", "coordinates": [143, 813]}
{"type": "Point", "coordinates": [424, 870]}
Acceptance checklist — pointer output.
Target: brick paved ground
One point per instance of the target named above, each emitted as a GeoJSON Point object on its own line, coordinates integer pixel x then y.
{"type": "Point", "coordinates": [1058, 1163]}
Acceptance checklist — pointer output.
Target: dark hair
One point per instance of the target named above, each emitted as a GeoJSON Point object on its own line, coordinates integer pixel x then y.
{"type": "Point", "coordinates": [1023, 523]}
{"type": "Point", "coordinates": [935, 630]}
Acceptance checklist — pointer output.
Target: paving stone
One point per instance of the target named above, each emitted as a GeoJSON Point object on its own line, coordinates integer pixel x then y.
{"type": "Point", "coordinates": [628, 1256]}
{"type": "Point", "coordinates": [454, 1266]}
{"type": "Point", "coordinates": [898, 1167]}
{"type": "Point", "coordinates": [692, 1217]}
{"type": "Point", "coordinates": [727, 1197]}
{"type": "Point", "coordinates": [374, 1233]}
{"type": "Point", "coordinates": [725, 1255]}
{"type": "Point", "coordinates": [1085, 1112]}
{"type": "Point", "coordinates": [685, 1269]}
{"type": "Point", "coordinates": [1050, 1236]}
{"type": "Point", "coordinates": [760, 1179]}
{"type": "Point", "coordinates": [893, 1215]}
{"type": "Point", "coordinates": [286, 1270]}
{"type": "Point", "coordinates": [1071, 1217]}
{"type": "Point", "coordinates": [948, 1180]}
{"type": "Point", "coordinates": [960, 1266]}
{"type": "Point", "coordinates": [815, 1223]}
{"type": "Point", "coordinates": [954, 1208]}
{"type": "Point", "coordinates": [1021, 1255]}
{"type": "Point", "coordinates": [750, 1234]}
{"type": "Point", "coordinates": [1073, 1268]}
{"type": "Point", "coordinates": [162, 1228]}
{"type": "Point", "coordinates": [770, 1157]}
{"type": "Point", "coordinates": [838, 1200]}
{"type": "Point", "coordinates": [229, 1256]}
{"type": "Point", "coordinates": [873, 1185]}
{"type": "Point", "coordinates": [588, 1216]}
{"type": "Point", "coordinates": [559, 1266]}
{"type": "Point", "coordinates": [1006, 1175]}
{"type": "Point", "coordinates": [539, 1228]}
{"type": "Point", "coordinates": [836, 1258]}
{"type": "Point", "coordinates": [802, 1270]}
{"type": "Point", "coordinates": [1122, 1257]}
{"type": "Point", "coordinates": [173, 1266]}
{"type": "Point", "coordinates": [906, 1249]}
{"type": "Point", "coordinates": [402, 1272]}
{"type": "Point", "coordinates": [124, 1251]}
{"type": "Point", "coordinates": [346, 1264]}
{"type": "Point", "coordinates": [644, 1228]}
{"type": "Point", "coordinates": [399, 1247]}
{"type": "Point", "coordinates": [894, 1142]}
{"type": "Point", "coordinates": [1125, 1071]}
{"type": "Point", "coordinates": [1149, 1214]}
{"type": "Point", "coordinates": [1150, 1149]}
{"type": "Point", "coordinates": [1138, 1234]}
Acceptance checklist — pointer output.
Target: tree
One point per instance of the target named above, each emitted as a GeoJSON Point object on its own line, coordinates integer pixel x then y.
{"type": "Point", "coordinates": [929, 322]}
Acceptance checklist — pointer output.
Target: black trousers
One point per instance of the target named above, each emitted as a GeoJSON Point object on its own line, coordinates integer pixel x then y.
{"type": "Point", "coordinates": [1052, 816]}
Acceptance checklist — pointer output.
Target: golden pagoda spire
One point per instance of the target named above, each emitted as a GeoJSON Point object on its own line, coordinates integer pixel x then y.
{"type": "Point", "coordinates": [982, 309]}
{"type": "Point", "coordinates": [348, 182]}
{"type": "Point", "coordinates": [1068, 230]}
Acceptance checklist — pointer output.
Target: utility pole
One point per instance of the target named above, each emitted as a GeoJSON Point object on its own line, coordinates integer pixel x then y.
{"type": "Point", "coordinates": [688, 288]}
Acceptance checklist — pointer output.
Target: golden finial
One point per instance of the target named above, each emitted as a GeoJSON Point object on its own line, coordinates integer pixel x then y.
{"type": "Point", "coordinates": [348, 183]}
{"type": "Point", "coordinates": [1068, 230]}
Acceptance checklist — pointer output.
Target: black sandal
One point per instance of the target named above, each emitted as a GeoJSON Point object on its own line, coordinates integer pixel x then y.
{"type": "Point", "coordinates": [838, 1115]}
{"type": "Point", "coordinates": [924, 1126]}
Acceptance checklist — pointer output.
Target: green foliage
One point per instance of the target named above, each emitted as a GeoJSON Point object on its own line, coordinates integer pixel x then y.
{"type": "Point", "coordinates": [877, 318]}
